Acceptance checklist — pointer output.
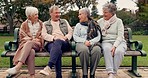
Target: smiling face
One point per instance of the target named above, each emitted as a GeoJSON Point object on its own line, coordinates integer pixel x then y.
{"type": "Point", "coordinates": [33, 17]}
{"type": "Point", "coordinates": [82, 16]}
{"type": "Point", "coordinates": [109, 9]}
{"type": "Point", "coordinates": [55, 14]}
{"type": "Point", "coordinates": [106, 14]}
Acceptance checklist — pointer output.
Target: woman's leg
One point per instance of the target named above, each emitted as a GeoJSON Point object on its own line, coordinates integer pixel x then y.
{"type": "Point", "coordinates": [30, 63]}
{"type": "Point", "coordinates": [26, 52]}
{"type": "Point", "coordinates": [119, 55]}
{"type": "Point", "coordinates": [94, 59]}
{"type": "Point", "coordinates": [108, 56]}
{"type": "Point", "coordinates": [83, 53]}
{"type": "Point", "coordinates": [28, 46]}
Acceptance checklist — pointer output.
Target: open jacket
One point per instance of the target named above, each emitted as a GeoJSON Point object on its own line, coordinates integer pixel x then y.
{"type": "Point", "coordinates": [24, 36]}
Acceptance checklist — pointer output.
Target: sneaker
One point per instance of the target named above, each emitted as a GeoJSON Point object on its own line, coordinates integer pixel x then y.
{"type": "Point", "coordinates": [46, 71]}
{"type": "Point", "coordinates": [12, 71]}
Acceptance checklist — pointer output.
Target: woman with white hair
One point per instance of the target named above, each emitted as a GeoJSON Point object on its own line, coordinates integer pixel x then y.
{"type": "Point", "coordinates": [87, 35]}
{"type": "Point", "coordinates": [30, 42]}
{"type": "Point", "coordinates": [113, 44]}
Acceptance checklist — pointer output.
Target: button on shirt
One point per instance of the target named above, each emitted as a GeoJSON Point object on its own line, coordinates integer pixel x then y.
{"type": "Point", "coordinates": [33, 28]}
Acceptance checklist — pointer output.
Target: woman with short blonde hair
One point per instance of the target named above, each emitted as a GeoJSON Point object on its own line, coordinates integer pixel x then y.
{"type": "Point", "coordinates": [30, 42]}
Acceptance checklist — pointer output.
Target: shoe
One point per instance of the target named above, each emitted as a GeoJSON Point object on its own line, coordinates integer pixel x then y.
{"type": "Point", "coordinates": [111, 75]}
{"type": "Point", "coordinates": [46, 71]}
{"type": "Point", "coordinates": [12, 71]}
{"type": "Point", "coordinates": [92, 76]}
{"type": "Point", "coordinates": [85, 76]}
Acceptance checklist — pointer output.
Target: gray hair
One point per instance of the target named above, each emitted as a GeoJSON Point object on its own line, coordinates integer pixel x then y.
{"type": "Point", "coordinates": [85, 10]}
{"type": "Point", "coordinates": [52, 8]}
{"type": "Point", "coordinates": [31, 10]}
{"type": "Point", "coordinates": [110, 7]}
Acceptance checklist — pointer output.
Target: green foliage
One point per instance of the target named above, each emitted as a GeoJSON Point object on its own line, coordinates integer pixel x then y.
{"type": "Point", "coordinates": [143, 12]}
{"type": "Point", "coordinates": [94, 12]}
{"type": "Point", "coordinates": [126, 16]}
{"type": "Point", "coordinates": [72, 17]}
{"type": "Point", "coordinates": [138, 33]}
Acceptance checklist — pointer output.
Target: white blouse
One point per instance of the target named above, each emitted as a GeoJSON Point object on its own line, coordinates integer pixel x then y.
{"type": "Point", "coordinates": [33, 28]}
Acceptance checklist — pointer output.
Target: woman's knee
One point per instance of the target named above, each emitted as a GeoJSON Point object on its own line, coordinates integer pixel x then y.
{"type": "Point", "coordinates": [119, 52]}
{"type": "Point", "coordinates": [82, 49]}
{"type": "Point", "coordinates": [96, 49]}
{"type": "Point", "coordinates": [32, 53]}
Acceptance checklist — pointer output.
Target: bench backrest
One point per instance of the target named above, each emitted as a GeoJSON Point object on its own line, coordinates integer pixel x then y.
{"type": "Point", "coordinates": [127, 35]}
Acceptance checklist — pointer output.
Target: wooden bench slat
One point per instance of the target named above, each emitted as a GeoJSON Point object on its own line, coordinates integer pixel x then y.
{"type": "Point", "coordinates": [38, 54]}
{"type": "Point", "coordinates": [69, 54]}
{"type": "Point", "coordinates": [132, 53]}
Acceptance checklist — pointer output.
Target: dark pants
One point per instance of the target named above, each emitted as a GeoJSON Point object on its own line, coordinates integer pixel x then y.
{"type": "Point", "coordinates": [56, 49]}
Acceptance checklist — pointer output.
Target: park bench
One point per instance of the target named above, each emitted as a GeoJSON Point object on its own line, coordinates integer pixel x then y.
{"type": "Point", "coordinates": [134, 50]}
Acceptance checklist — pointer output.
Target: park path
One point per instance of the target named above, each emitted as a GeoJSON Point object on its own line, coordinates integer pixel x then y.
{"type": "Point", "coordinates": [100, 73]}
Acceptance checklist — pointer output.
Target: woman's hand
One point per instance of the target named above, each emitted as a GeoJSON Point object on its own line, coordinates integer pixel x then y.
{"type": "Point", "coordinates": [113, 50]}
{"type": "Point", "coordinates": [36, 39]}
{"type": "Point", "coordinates": [87, 43]}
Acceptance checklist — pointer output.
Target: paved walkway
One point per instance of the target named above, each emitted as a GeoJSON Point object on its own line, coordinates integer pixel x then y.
{"type": "Point", "coordinates": [100, 73]}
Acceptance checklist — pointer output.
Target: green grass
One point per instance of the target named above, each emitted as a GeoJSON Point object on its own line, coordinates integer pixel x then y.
{"type": "Point", "coordinates": [42, 61]}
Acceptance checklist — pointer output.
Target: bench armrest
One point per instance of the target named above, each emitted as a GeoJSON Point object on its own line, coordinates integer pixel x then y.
{"type": "Point", "coordinates": [73, 46]}
{"type": "Point", "coordinates": [137, 46]}
{"type": "Point", "coordinates": [11, 45]}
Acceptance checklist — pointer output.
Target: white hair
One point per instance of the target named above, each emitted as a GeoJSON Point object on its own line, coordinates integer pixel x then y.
{"type": "Point", "coordinates": [110, 7]}
{"type": "Point", "coordinates": [86, 11]}
{"type": "Point", "coordinates": [31, 10]}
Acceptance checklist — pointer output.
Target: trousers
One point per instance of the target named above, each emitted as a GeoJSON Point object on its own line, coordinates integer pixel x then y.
{"type": "Point", "coordinates": [28, 55]}
{"type": "Point", "coordinates": [56, 48]}
{"type": "Point", "coordinates": [113, 63]}
{"type": "Point", "coordinates": [85, 54]}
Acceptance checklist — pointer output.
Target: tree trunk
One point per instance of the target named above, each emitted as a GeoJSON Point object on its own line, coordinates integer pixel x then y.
{"type": "Point", "coordinates": [11, 27]}
{"type": "Point", "coordinates": [10, 23]}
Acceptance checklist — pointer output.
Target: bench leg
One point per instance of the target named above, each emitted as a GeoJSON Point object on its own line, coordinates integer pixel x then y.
{"type": "Point", "coordinates": [73, 73]}
{"type": "Point", "coordinates": [11, 62]}
{"type": "Point", "coordinates": [134, 67]}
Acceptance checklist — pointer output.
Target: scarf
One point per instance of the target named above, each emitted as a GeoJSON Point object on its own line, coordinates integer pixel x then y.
{"type": "Point", "coordinates": [92, 29]}
{"type": "Point", "coordinates": [107, 24]}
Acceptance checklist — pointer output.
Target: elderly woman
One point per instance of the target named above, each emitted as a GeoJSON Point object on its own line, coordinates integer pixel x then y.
{"type": "Point", "coordinates": [113, 44]}
{"type": "Point", "coordinates": [30, 42]}
{"type": "Point", "coordinates": [87, 36]}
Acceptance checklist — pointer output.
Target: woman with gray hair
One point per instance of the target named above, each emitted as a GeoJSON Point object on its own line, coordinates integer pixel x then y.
{"type": "Point", "coordinates": [87, 35]}
{"type": "Point", "coordinates": [113, 44]}
{"type": "Point", "coordinates": [30, 42]}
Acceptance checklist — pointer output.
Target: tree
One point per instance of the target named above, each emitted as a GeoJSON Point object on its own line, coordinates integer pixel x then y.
{"type": "Point", "coordinates": [94, 12]}
{"type": "Point", "coordinates": [14, 9]}
{"type": "Point", "coordinates": [9, 11]}
{"type": "Point", "coordinates": [126, 16]}
{"type": "Point", "coordinates": [143, 10]}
